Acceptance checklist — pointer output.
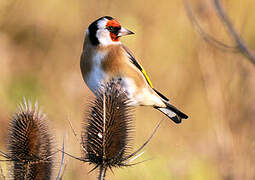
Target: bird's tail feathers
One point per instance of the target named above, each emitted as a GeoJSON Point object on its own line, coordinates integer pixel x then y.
{"type": "Point", "coordinates": [172, 112]}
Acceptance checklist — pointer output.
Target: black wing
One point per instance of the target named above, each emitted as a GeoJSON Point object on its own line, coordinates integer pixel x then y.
{"type": "Point", "coordinates": [135, 62]}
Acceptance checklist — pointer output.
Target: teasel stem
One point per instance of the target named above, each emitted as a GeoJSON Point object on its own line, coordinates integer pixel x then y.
{"type": "Point", "coordinates": [103, 168]}
{"type": "Point", "coordinates": [102, 173]}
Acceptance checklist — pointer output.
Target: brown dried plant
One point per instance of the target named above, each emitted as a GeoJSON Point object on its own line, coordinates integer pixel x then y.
{"type": "Point", "coordinates": [107, 131]}
{"type": "Point", "coordinates": [29, 144]}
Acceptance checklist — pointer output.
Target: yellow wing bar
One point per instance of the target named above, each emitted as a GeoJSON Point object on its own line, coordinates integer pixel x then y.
{"type": "Point", "coordinates": [134, 61]}
{"type": "Point", "coordinates": [146, 77]}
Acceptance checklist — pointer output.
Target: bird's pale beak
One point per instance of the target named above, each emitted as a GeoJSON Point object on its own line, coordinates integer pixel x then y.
{"type": "Point", "coordinates": [124, 32]}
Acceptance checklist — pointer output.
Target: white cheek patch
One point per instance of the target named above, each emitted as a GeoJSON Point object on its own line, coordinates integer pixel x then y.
{"type": "Point", "coordinates": [104, 38]}
{"type": "Point", "coordinates": [103, 35]}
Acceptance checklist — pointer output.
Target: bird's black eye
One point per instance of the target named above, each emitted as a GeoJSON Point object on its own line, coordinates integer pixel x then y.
{"type": "Point", "coordinates": [110, 28]}
{"type": "Point", "coordinates": [113, 29]}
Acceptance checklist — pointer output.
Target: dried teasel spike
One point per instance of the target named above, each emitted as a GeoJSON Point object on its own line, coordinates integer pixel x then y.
{"type": "Point", "coordinates": [29, 144]}
{"type": "Point", "coordinates": [107, 130]}
{"type": "Point", "coordinates": [144, 144]}
{"type": "Point", "coordinates": [4, 155]}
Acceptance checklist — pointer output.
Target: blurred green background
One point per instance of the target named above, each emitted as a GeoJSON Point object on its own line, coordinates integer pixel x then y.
{"type": "Point", "coordinates": [40, 47]}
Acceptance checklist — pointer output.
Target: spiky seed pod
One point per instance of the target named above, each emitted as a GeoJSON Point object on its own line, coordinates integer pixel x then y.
{"type": "Point", "coordinates": [29, 144]}
{"type": "Point", "coordinates": [107, 129]}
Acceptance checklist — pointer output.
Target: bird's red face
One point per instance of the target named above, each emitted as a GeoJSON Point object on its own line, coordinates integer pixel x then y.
{"type": "Point", "coordinates": [106, 31]}
{"type": "Point", "coordinates": [113, 27]}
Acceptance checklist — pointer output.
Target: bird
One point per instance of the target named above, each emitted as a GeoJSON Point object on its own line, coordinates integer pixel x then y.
{"type": "Point", "coordinates": [104, 58]}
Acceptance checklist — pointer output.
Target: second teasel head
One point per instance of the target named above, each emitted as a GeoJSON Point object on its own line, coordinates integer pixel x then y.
{"type": "Point", "coordinates": [30, 144]}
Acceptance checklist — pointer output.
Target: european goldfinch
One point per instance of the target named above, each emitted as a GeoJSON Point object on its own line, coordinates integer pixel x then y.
{"type": "Point", "coordinates": [105, 58]}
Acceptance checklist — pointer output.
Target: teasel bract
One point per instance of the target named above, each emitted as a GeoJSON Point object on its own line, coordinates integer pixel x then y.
{"type": "Point", "coordinates": [107, 130]}
{"type": "Point", "coordinates": [29, 144]}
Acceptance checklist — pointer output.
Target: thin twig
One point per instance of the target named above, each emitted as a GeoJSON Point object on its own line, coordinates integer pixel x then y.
{"type": "Point", "coordinates": [75, 134]}
{"type": "Point", "coordinates": [61, 177]}
{"type": "Point", "coordinates": [206, 37]}
{"type": "Point", "coordinates": [4, 155]}
{"type": "Point", "coordinates": [240, 47]}
{"type": "Point", "coordinates": [71, 125]}
{"type": "Point", "coordinates": [244, 49]}
{"type": "Point", "coordinates": [135, 157]}
{"type": "Point", "coordinates": [62, 159]}
{"type": "Point", "coordinates": [146, 142]}
{"type": "Point", "coordinates": [80, 159]}
{"type": "Point", "coordinates": [133, 164]}
{"type": "Point", "coordinates": [93, 168]}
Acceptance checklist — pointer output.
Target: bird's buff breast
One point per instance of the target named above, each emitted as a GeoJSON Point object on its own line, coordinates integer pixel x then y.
{"type": "Point", "coordinates": [97, 78]}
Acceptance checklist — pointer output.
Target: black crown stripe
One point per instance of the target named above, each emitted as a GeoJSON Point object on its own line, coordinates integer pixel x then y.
{"type": "Point", "coordinates": [93, 30]}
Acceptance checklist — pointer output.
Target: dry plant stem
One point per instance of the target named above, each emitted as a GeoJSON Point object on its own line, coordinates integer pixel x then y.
{"type": "Point", "coordinates": [106, 131]}
{"type": "Point", "coordinates": [145, 143]}
{"type": "Point", "coordinates": [70, 124]}
{"type": "Point", "coordinates": [30, 144]}
{"type": "Point", "coordinates": [206, 37]}
{"type": "Point", "coordinates": [62, 161]}
{"type": "Point", "coordinates": [107, 128]}
{"type": "Point", "coordinates": [4, 155]}
{"type": "Point", "coordinates": [61, 177]}
{"type": "Point", "coordinates": [240, 43]}
{"type": "Point", "coordinates": [70, 155]}
{"type": "Point", "coordinates": [75, 134]}
{"type": "Point", "coordinates": [102, 173]}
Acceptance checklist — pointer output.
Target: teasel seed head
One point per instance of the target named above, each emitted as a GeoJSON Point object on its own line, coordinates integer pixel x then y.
{"type": "Point", "coordinates": [107, 129]}
{"type": "Point", "coordinates": [30, 144]}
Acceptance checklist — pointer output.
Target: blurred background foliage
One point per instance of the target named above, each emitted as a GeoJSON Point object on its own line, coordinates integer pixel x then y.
{"type": "Point", "coordinates": [40, 47]}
